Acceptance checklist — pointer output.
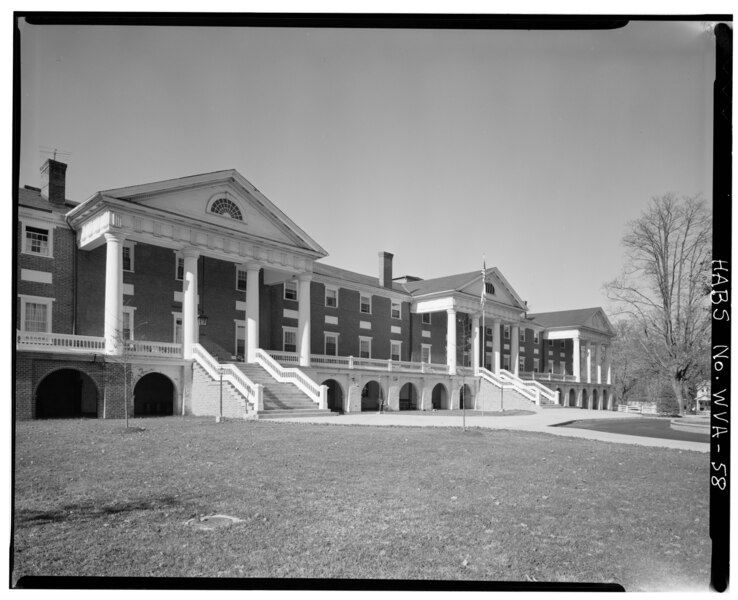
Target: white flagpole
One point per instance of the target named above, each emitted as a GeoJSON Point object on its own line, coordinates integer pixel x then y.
{"type": "Point", "coordinates": [484, 328]}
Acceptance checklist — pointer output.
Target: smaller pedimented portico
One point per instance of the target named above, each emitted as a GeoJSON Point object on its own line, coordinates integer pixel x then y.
{"type": "Point", "coordinates": [218, 215]}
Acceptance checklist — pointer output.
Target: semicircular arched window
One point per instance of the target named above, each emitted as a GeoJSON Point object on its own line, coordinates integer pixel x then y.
{"type": "Point", "coordinates": [226, 208]}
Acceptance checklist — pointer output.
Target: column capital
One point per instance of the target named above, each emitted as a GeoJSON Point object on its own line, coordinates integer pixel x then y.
{"type": "Point", "coordinates": [190, 252]}
{"type": "Point", "coordinates": [252, 266]}
{"type": "Point", "coordinates": [305, 277]}
{"type": "Point", "coordinates": [114, 236]}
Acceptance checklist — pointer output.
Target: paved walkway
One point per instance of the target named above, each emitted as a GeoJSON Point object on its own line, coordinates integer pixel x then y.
{"type": "Point", "coordinates": [541, 422]}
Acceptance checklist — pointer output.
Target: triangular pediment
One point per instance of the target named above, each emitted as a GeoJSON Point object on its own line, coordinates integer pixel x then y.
{"type": "Point", "coordinates": [599, 322]}
{"type": "Point", "coordinates": [502, 293]}
{"type": "Point", "coordinates": [225, 200]}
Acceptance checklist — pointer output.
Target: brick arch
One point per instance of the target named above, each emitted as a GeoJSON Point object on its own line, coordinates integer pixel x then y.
{"type": "Point", "coordinates": [412, 402]}
{"type": "Point", "coordinates": [440, 397]}
{"type": "Point", "coordinates": [337, 397]}
{"type": "Point", "coordinates": [38, 369]}
{"type": "Point", "coordinates": [139, 374]}
{"type": "Point", "coordinates": [152, 400]}
{"type": "Point", "coordinates": [67, 392]}
{"type": "Point", "coordinates": [371, 395]}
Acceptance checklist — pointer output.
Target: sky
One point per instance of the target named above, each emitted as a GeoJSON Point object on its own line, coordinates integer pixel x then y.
{"type": "Point", "coordinates": [529, 149]}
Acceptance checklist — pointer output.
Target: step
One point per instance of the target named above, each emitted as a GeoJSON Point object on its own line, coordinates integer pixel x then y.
{"type": "Point", "coordinates": [294, 412]}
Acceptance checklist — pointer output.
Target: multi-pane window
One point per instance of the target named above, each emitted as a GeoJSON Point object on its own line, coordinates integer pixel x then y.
{"type": "Point", "coordinates": [179, 268]}
{"type": "Point", "coordinates": [365, 347]}
{"type": "Point", "coordinates": [331, 344]}
{"type": "Point", "coordinates": [507, 332]}
{"type": "Point", "coordinates": [522, 334]}
{"type": "Point", "coordinates": [128, 257]}
{"type": "Point", "coordinates": [490, 332]}
{"type": "Point", "coordinates": [37, 241]}
{"type": "Point", "coordinates": [536, 337]}
{"type": "Point", "coordinates": [506, 362]}
{"type": "Point", "coordinates": [426, 319]}
{"type": "Point", "coordinates": [489, 288]}
{"type": "Point", "coordinates": [331, 297]}
{"type": "Point", "coordinates": [290, 290]}
{"type": "Point", "coordinates": [536, 365]}
{"type": "Point", "coordinates": [521, 364]}
{"type": "Point", "coordinates": [240, 338]}
{"type": "Point", "coordinates": [177, 324]}
{"type": "Point", "coordinates": [396, 311]}
{"type": "Point", "coordinates": [240, 279]}
{"type": "Point", "coordinates": [289, 340]}
{"type": "Point", "coordinates": [127, 324]}
{"type": "Point", "coordinates": [395, 350]}
{"type": "Point", "coordinates": [226, 208]}
{"type": "Point", "coordinates": [425, 353]}
{"type": "Point", "coordinates": [36, 317]}
{"type": "Point", "coordinates": [365, 304]}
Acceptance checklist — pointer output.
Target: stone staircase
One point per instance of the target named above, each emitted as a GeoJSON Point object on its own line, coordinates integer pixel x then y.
{"type": "Point", "coordinates": [281, 399]}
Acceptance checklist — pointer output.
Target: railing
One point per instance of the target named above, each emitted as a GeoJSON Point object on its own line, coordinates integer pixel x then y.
{"type": "Point", "coordinates": [316, 392]}
{"type": "Point", "coordinates": [504, 383]}
{"type": "Point", "coordinates": [353, 362]}
{"type": "Point", "coordinates": [546, 376]}
{"type": "Point", "coordinates": [527, 388]}
{"type": "Point", "coordinates": [252, 392]}
{"type": "Point", "coordinates": [141, 347]}
{"type": "Point", "coordinates": [643, 410]}
{"type": "Point", "coordinates": [54, 342]}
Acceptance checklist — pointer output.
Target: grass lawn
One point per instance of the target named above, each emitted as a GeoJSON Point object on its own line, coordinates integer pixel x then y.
{"type": "Point", "coordinates": [329, 501]}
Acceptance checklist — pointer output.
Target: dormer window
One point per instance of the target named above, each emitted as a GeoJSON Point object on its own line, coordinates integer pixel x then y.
{"type": "Point", "coordinates": [226, 208]}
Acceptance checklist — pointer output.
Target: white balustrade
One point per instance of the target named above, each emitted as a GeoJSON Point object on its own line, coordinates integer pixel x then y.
{"type": "Point", "coordinates": [315, 391]}
{"type": "Point", "coordinates": [252, 392]}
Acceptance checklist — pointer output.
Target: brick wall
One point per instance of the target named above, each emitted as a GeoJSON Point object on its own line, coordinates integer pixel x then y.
{"type": "Point", "coordinates": [205, 398]}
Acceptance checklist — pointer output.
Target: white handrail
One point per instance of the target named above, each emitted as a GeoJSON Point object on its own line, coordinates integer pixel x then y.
{"type": "Point", "coordinates": [529, 391]}
{"type": "Point", "coordinates": [252, 392]}
{"type": "Point", "coordinates": [316, 392]}
{"type": "Point", "coordinates": [59, 341]}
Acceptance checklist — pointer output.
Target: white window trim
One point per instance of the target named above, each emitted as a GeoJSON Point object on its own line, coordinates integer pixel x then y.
{"type": "Point", "coordinates": [536, 337]}
{"type": "Point", "coordinates": [423, 318]}
{"type": "Point", "coordinates": [506, 332]}
{"type": "Point", "coordinates": [521, 335]}
{"type": "Point", "coordinates": [331, 289]}
{"type": "Point", "coordinates": [362, 296]}
{"type": "Point", "coordinates": [236, 324]}
{"type": "Point", "coordinates": [285, 331]}
{"type": "Point", "coordinates": [397, 343]}
{"type": "Point", "coordinates": [177, 257]}
{"type": "Point", "coordinates": [326, 335]}
{"type": "Point", "coordinates": [399, 309]}
{"type": "Point", "coordinates": [284, 291]}
{"type": "Point", "coordinates": [521, 363]}
{"type": "Point", "coordinates": [132, 252]}
{"type": "Point", "coordinates": [428, 347]}
{"type": "Point", "coordinates": [38, 225]}
{"type": "Point", "coordinates": [175, 316]}
{"type": "Point", "coordinates": [131, 311]}
{"type": "Point", "coordinates": [536, 365]}
{"type": "Point", "coordinates": [363, 338]}
{"type": "Point", "coordinates": [506, 362]}
{"type": "Point", "coordinates": [240, 269]}
{"type": "Point", "coordinates": [36, 300]}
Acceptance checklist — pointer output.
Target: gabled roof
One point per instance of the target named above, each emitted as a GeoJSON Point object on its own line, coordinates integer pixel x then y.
{"type": "Point", "coordinates": [574, 319]}
{"type": "Point", "coordinates": [351, 277]}
{"type": "Point", "coordinates": [32, 198]}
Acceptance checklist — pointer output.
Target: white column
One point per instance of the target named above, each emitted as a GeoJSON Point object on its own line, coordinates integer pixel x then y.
{"type": "Point", "coordinates": [608, 365]}
{"type": "Point", "coordinates": [598, 362]}
{"type": "Point", "coordinates": [114, 294]}
{"type": "Point", "coordinates": [476, 341]}
{"type": "Point", "coordinates": [515, 349]}
{"type": "Point", "coordinates": [576, 360]}
{"type": "Point", "coordinates": [451, 341]}
{"type": "Point", "coordinates": [588, 358]}
{"type": "Point", "coordinates": [189, 302]}
{"type": "Point", "coordinates": [303, 319]}
{"type": "Point", "coordinates": [497, 333]}
{"type": "Point", "coordinates": [252, 311]}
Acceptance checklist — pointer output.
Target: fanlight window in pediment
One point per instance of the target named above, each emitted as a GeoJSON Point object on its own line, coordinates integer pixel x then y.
{"type": "Point", "coordinates": [226, 208]}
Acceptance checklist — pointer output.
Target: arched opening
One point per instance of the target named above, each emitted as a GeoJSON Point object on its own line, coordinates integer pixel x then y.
{"type": "Point", "coordinates": [371, 395]}
{"type": "Point", "coordinates": [466, 398]}
{"type": "Point", "coordinates": [153, 396]}
{"type": "Point", "coordinates": [595, 400]}
{"type": "Point", "coordinates": [562, 399]}
{"type": "Point", "coordinates": [585, 399]}
{"type": "Point", "coordinates": [334, 398]}
{"type": "Point", "coordinates": [572, 397]}
{"type": "Point", "coordinates": [605, 400]}
{"type": "Point", "coordinates": [66, 394]}
{"type": "Point", "coordinates": [408, 397]}
{"type": "Point", "coordinates": [439, 397]}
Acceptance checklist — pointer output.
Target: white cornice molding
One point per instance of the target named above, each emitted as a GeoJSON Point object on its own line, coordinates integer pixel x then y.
{"type": "Point", "coordinates": [362, 288]}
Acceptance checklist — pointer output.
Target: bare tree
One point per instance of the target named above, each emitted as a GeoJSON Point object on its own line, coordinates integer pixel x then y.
{"type": "Point", "coordinates": [662, 288]}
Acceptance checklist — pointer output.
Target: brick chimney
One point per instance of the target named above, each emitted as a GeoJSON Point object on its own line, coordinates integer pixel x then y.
{"type": "Point", "coordinates": [385, 269]}
{"type": "Point", "coordinates": [53, 181]}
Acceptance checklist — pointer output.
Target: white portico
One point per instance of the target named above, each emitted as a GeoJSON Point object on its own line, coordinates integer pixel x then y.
{"type": "Point", "coordinates": [460, 296]}
{"type": "Point", "coordinates": [218, 215]}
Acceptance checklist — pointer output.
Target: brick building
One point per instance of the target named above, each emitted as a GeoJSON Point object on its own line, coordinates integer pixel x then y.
{"type": "Point", "coordinates": [199, 296]}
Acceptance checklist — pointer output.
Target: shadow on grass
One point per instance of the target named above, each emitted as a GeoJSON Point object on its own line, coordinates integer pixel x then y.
{"type": "Point", "coordinates": [88, 511]}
